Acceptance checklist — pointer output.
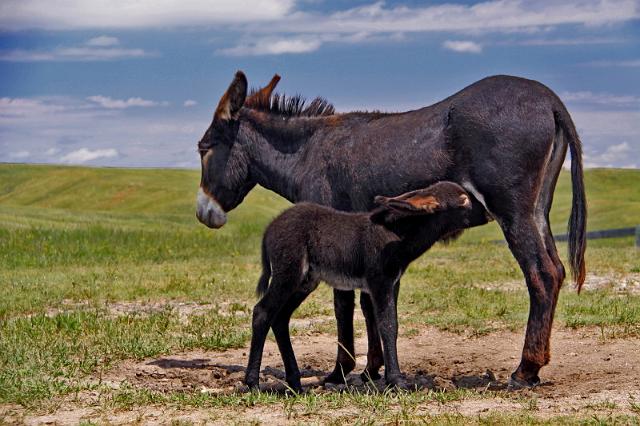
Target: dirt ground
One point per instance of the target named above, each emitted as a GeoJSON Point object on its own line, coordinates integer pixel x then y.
{"type": "Point", "coordinates": [587, 374]}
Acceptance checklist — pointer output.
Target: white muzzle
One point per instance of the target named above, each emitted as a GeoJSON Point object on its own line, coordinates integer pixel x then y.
{"type": "Point", "coordinates": [209, 212]}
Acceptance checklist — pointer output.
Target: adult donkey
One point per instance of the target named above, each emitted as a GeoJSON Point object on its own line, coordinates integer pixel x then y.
{"type": "Point", "coordinates": [503, 139]}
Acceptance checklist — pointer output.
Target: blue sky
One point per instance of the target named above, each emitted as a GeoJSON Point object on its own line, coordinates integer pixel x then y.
{"type": "Point", "coordinates": [123, 83]}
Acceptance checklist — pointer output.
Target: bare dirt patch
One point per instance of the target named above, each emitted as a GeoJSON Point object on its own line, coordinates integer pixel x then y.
{"type": "Point", "coordinates": [583, 363]}
{"type": "Point", "coordinates": [588, 376]}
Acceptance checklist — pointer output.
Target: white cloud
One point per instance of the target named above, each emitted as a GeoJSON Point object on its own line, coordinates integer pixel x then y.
{"type": "Point", "coordinates": [272, 47]}
{"type": "Point", "coordinates": [110, 103]}
{"type": "Point", "coordinates": [19, 107]}
{"type": "Point", "coordinates": [282, 15]}
{"type": "Point", "coordinates": [631, 63]}
{"type": "Point", "coordinates": [83, 14]}
{"type": "Point", "coordinates": [579, 41]}
{"type": "Point", "coordinates": [619, 155]}
{"type": "Point", "coordinates": [83, 155]}
{"type": "Point", "coordinates": [587, 97]}
{"type": "Point", "coordinates": [189, 103]}
{"type": "Point", "coordinates": [488, 16]}
{"type": "Point", "coordinates": [463, 46]}
{"type": "Point", "coordinates": [100, 48]}
{"type": "Point", "coordinates": [19, 155]}
{"type": "Point", "coordinates": [103, 41]}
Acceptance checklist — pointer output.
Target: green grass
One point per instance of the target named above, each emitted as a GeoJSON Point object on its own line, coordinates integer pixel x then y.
{"type": "Point", "coordinates": [73, 240]}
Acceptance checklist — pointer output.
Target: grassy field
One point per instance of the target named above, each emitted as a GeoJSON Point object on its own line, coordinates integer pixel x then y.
{"type": "Point", "coordinates": [75, 242]}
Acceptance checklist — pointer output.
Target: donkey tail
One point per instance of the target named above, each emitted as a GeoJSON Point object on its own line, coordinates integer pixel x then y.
{"type": "Point", "coordinates": [578, 218]}
{"type": "Point", "coordinates": [263, 282]}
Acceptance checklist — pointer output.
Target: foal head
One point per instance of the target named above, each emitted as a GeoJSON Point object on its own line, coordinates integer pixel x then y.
{"type": "Point", "coordinates": [439, 197]}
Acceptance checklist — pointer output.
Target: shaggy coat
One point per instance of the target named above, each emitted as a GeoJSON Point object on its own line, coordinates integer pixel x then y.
{"type": "Point", "coordinates": [309, 243]}
{"type": "Point", "coordinates": [504, 139]}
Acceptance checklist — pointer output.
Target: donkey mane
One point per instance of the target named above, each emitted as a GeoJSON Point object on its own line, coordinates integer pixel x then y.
{"type": "Point", "coordinates": [289, 106]}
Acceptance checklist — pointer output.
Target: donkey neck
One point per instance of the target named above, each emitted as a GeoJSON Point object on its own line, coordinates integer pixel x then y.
{"type": "Point", "coordinates": [276, 147]}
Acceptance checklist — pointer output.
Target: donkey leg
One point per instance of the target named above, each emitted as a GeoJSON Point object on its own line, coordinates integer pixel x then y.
{"type": "Point", "coordinates": [375, 357]}
{"type": "Point", "coordinates": [344, 303]}
{"type": "Point", "coordinates": [543, 283]}
{"type": "Point", "coordinates": [280, 329]}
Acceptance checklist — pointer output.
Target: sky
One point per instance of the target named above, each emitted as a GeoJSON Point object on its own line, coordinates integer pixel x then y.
{"type": "Point", "coordinates": [135, 83]}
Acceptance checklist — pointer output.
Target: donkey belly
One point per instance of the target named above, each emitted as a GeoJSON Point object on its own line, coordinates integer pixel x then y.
{"type": "Point", "coordinates": [338, 280]}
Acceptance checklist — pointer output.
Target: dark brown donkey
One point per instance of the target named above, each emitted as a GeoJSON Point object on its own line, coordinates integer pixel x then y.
{"type": "Point", "coordinates": [503, 139]}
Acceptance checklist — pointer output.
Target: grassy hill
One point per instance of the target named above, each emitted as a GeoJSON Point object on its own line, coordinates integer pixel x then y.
{"type": "Point", "coordinates": [47, 195]}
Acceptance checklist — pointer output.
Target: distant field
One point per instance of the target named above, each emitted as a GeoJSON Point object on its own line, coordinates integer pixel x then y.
{"type": "Point", "coordinates": [78, 243]}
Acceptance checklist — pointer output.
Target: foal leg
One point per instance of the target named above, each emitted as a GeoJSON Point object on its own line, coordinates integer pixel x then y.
{"type": "Point", "coordinates": [543, 283]}
{"type": "Point", "coordinates": [280, 329]}
{"type": "Point", "coordinates": [343, 302]}
{"type": "Point", "coordinates": [387, 321]}
{"type": "Point", "coordinates": [283, 284]}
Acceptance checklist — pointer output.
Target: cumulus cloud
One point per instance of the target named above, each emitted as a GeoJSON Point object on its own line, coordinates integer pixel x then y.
{"type": "Point", "coordinates": [84, 155]}
{"type": "Point", "coordinates": [487, 16]}
{"type": "Point", "coordinates": [103, 41]}
{"type": "Point", "coordinates": [631, 63]}
{"type": "Point", "coordinates": [18, 155]}
{"type": "Point", "coordinates": [189, 103]}
{"type": "Point", "coordinates": [463, 46]}
{"type": "Point", "coordinates": [102, 48]}
{"type": "Point", "coordinates": [83, 14]}
{"type": "Point", "coordinates": [110, 103]}
{"type": "Point", "coordinates": [20, 107]}
{"type": "Point", "coordinates": [588, 97]}
{"type": "Point", "coordinates": [272, 47]}
{"type": "Point", "coordinates": [620, 155]}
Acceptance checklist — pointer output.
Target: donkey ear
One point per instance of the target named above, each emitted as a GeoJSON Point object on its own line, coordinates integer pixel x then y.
{"type": "Point", "coordinates": [263, 95]}
{"type": "Point", "coordinates": [233, 99]}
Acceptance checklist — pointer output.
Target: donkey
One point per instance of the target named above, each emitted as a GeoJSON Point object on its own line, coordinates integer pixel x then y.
{"type": "Point", "coordinates": [503, 139]}
{"type": "Point", "coordinates": [366, 251]}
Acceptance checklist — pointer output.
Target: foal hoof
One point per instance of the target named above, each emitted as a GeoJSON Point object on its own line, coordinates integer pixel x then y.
{"type": "Point", "coordinates": [370, 375]}
{"type": "Point", "coordinates": [516, 383]}
{"type": "Point", "coordinates": [252, 384]}
{"type": "Point", "coordinates": [336, 378]}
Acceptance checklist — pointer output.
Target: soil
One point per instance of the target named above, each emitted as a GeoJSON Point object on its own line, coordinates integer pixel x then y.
{"type": "Point", "coordinates": [588, 374]}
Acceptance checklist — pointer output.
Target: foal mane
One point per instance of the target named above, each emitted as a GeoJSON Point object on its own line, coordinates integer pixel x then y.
{"type": "Point", "coordinates": [289, 106]}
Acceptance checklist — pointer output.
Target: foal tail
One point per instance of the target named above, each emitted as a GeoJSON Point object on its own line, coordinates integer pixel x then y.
{"type": "Point", "coordinates": [578, 218]}
{"type": "Point", "coordinates": [263, 282]}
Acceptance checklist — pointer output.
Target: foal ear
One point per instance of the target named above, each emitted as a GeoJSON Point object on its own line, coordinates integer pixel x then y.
{"type": "Point", "coordinates": [415, 203]}
{"type": "Point", "coordinates": [262, 96]}
{"type": "Point", "coordinates": [233, 99]}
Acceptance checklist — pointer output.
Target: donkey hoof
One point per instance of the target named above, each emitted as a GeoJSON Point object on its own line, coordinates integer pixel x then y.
{"type": "Point", "coordinates": [370, 375]}
{"type": "Point", "coordinates": [397, 383]}
{"type": "Point", "coordinates": [516, 383]}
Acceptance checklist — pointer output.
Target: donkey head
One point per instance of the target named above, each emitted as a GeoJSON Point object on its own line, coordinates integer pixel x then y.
{"type": "Point", "coordinates": [438, 197]}
{"type": "Point", "coordinates": [225, 179]}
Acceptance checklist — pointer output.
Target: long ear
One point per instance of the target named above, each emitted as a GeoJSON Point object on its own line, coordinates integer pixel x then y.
{"type": "Point", "coordinates": [233, 99]}
{"type": "Point", "coordinates": [410, 203]}
{"type": "Point", "coordinates": [262, 96]}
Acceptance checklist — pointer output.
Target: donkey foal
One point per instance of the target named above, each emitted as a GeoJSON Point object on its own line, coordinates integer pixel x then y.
{"type": "Point", "coordinates": [309, 243]}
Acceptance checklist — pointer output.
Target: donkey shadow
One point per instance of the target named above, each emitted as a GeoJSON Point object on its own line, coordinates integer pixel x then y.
{"type": "Point", "coordinates": [273, 379]}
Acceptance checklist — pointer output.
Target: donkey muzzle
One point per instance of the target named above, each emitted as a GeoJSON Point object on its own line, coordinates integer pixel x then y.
{"type": "Point", "coordinates": [209, 212]}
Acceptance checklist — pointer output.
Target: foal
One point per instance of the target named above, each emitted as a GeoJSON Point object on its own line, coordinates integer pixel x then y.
{"type": "Point", "coordinates": [366, 251]}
